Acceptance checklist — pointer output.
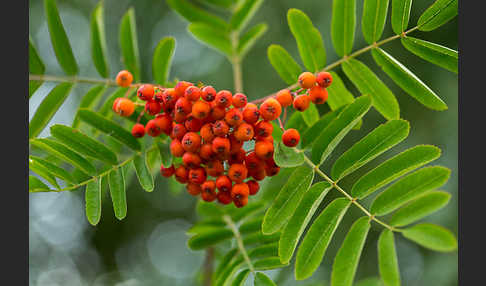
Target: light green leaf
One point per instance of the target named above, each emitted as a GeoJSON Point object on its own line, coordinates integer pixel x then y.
{"type": "Point", "coordinates": [310, 115]}
{"type": "Point", "coordinates": [309, 40]}
{"type": "Point", "coordinates": [110, 128]}
{"type": "Point", "coordinates": [98, 41]}
{"type": "Point", "coordinates": [243, 13]}
{"type": "Point", "coordinates": [400, 15]}
{"type": "Point", "coordinates": [371, 281]}
{"type": "Point", "coordinates": [409, 188]}
{"type": "Point", "coordinates": [36, 66]}
{"type": "Point", "coordinates": [116, 182]}
{"type": "Point", "coordinates": [89, 100]}
{"type": "Point", "coordinates": [48, 107]}
{"type": "Point", "coordinates": [368, 83]}
{"type": "Point", "coordinates": [369, 147]}
{"type": "Point", "coordinates": [287, 157]}
{"type": "Point", "coordinates": [387, 259]}
{"type": "Point", "coordinates": [143, 173]}
{"type": "Point", "coordinates": [248, 40]}
{"type": "Point", "coordinates": [393, 168]}
{"type": "Point", "coordinates": [129, 44]}
{"type": "Point", "coordinates": [268, 263]}
{"type": "Point", "coordinates": [258, 237]}
{"type": "Point", "coordinates": [52, 169]}
{"type": "Point", "coordinates": [93, 201]}
{"type": "Point", "coordinates": [374, 18]}
{"type": "Point", "coordinates": [313, 247]}
{"type": "Point", "coordinates": [271, 187]}
{"type": "Point", "coordinates": [421, 207]}
{"type": "Point", "coordinates": [439, 13]}
{"type": "Point", "coordinates": [315, 130]}
{"type": "Point", "coordinates": [208, 238]}
{"type": "Point", "coordinates": [408, 81]}
{"type": "Point", "coordinates": [240, 279]}
{"type": "Point", "coordinates": [221, 3]}
{"type": "Point", "coordinates": [64, 153]}
{"type": "Point", "coordinates": [251, 225]}
{"type": "Point", "coordinates": [229, 271]}
{"type": "Point", "coordinates": [59, 39]}
{"type": "Point", "coordinates": [270, 249]}
{"type": "Point", "coordinates": [277, 132]}
{"type": "Point", "coordinates": [164, 150]}
{"type": "Point", "coordinates": [162, 59]}
{"type": "Point", "coordinates": [347, 257]}
{"type": "Point", "coordinates": [83, 144]}
{"type": "Point", "coordinates": [195, 14]}
{"type": "Point", "coordinates": [287, 68]}
{"type": "Point", "coordinates": [225, 260]}
{"type": "Point", "coordinates": [431, 236]}
{"type": "Point", "coordinates": [287, 200]}
{"type": "Point", "coordinates": [299, 220]}
{"type": "Point", "coordinates": [338, 94]}
{"type": "Point", "coordinates": [36, 185]}
{"type": "Point", "coordinates": [263, 280]}
{"type": "Point", "coordinates": [436, 54]}
{"type": "Point", "coordinates": [42, 171]}
{"type": "Point", "coordinates": [215, 38]}
{"type": "Point", "coordinates": [338, 128]}
{"type": "Point", "coordinates": [238, 214]}
{"type": "Point", "coordinates": [343, 25]}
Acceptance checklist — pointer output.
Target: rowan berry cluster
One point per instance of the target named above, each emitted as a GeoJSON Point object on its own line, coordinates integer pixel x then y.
{"type": "Point", "coordinates": [208, 129]}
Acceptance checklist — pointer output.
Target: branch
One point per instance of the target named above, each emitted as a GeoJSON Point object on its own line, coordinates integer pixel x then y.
{"type": "Point", "coordinates": [239, 241]}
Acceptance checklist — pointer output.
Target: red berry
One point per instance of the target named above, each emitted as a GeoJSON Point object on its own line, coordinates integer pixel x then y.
{"type": "Point", "coordinates": [254, 187]}
{"type": "Point", "coordinates": [146, 92]}
{"type": "Point", "coordinates": [138, 130]}
{"type": "Point", "coordinates": [239, 100]}
{"type": "Point", "coordinates": [291, 137]}
{"type": "Point", "coordinates": [223, 98]}
{"type": "Point", "coordinates": [270, 109]}
{"type": "Point", "coordinates": [208, 93]}
{"type": "Point", "coordinates": [324, 79]}
{"type": "Point", "coordinates": [167, 172]}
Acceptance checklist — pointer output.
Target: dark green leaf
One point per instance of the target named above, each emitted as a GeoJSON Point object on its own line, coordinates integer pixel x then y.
{"type": "Point", "coordinates": [309, 40]}
{"type": "Point", "coordinates": [409, 188]}
{"type": "Point", "coordinates": [143, 173]}
{"type": "Point", "coordinates": [36, 185]}
{"type": "Point", "coordinates": [116, 182]}
{"type": "Point", "coordinates": [263, 280]}
{"type": "Point", "coordinates": [98, 41]}
{"type": "Point", "coordinates": [258, 238]}
{"type": "Point", "coordinates": [59, 39]}
{"type": "Point", "coordinates": [287, 157]}
{"type": "Point", "coordinates": [431, 236]}
{"type": "Point", "coordinates": [48, 107]}
{"type": "Point", "coordinates": [338, 128]}
{"type": "Point", "coordinates": [271, 187]}
{"type": "Point", "coordinates": [240, 279]}
{"type": "Point", "coordinates": [296, 121]}
{"type": "Point", "coordinates": [42, 171]}
{"type": "Point", "coordinates": [36, 66]}
{"type": "Point", "coordinates": [343, 26]}
{"type": "Point", "coordinates": [194, 14]}
{"type": "Point", "coordinates": [93, 201]}
{"type": "Point", "coordinates": [225, 260]}
{"type": "Point", "coordinates": [299, 220]}
{"type": "Point", "coordinates": [374, 18]}
{"type": "Point", "coordinates": [439, 13]}
{"type": "Point", "coordinates": [393, 168]}
{"type": "Point", "coordinates": [162, 59]}
{"type": "Point", "coordinates": [315, 130]}
{"type": "Point", "coordinates": [347, 257]}
{"type": "Point", "coordinates": [310, 115]}
{"type": "Point", "coordinates": [369, 147]}
{"type": "Point", "coordinates": [243, 13]}
{"type": "Point", "coordinates": [89, 100]}
{"type": "Point", "coordinates": [387, 259]}
{"type": "Point", "coordinates": [215, 38]}
{"type": "Point", "coordinates": [251, 225]}
{"type": "Point", "coordinates": [270, 249]}
{"type": "Point", "coordinates": [249, 39]}
{"type": "Point", "coordinates": [110, 128]}
{"type": "Point", "coordinates": [287, 200]}
{"type": "Point", "coordinates": [436, 54]}
{"type": "Point", "coordinates": [277, 132]}
{"type": "Point", "coordinates": [129, 44]}
{"type": "Point", "coordinates": [52, 169]}
{"type": "Point", "coordinates": [421, 207]}
{"type": "Point", "coordinates": [268, 263]}
{"type": "Point", "coordinates": [368, 83]}
{"type": "Point", "coordinates": [165, 154]}
{"type": "Point", "coordinates": [314, 245]}
{"type": "Point", "coordinates": [238, 214]}
{"type": "Point", "coordinates": [221, 3]}
{"type": "Point", "coordinates": [408, 81]}
{"type": "Point", "coordinates": [229, 271]}
{"type": "Point", "coordinates": [208, 238]}
{"type": "Point", "coordinates": [338, 94]}
{"type": "Point", "coordinates": [371, 281]}
{"type": "Point", "coordinates": [400, 15]}
{"type": "Point", "coordinates": [284, 64]}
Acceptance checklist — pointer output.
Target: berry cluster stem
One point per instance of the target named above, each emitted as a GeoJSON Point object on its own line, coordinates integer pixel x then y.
{"type": "Point", "coordinates": [239, 241]}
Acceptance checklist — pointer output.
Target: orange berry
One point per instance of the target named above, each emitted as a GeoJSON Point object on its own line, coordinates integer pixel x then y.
{"type": "Point", "coordinates": [123, 106]}
{"type": "Point", "coordinates": [152, 128]}
{"type": "Point", "coordinates": [193, 189]}
{"type": "Point", "coordinates": [301, 102]}
{"type": "Point", "coordinates": [169, 97]}
{"type": "Point", "coordinates": [207, 132]}
{"type": "Point", "coordinates": [216, 112]}
{"type": "Point", "coordinates": [191, 160]}
{"type": "Point", "coordinates": [221, 145]}
{"type": "Point", "coordinates": [197, 175]}
{"type": "Point", "coordinates": [181, 174]}
{"type": "Point", "coordinates": [158, 95]}
{"type": "Point", "coordinates": [164, 121]}
{"type": "Point", "coordinates": [179, 117]}
{"type": "Point", "coordinates": [183, 105]}
{"type": "Point", "coordinates": [224, 198]}
{"type": "Point", "coordinates": [239, 100]}
{"type": "Point", "coordinates": [206, 151]}
{"type": "Point", "coordinates": [233, 117]}
{"type": "Point", "coordinates": [178, 131]}
{"type": "Point", "coordinates": [240, 201]}
{"type": "Point", "coordinates": [318, 94]}
{"type": "Point", "coordinates": [146, 92]}
{"type": "Point", "coordinates": [176, 148]}
{"type": "Point", "coordinates": [270, 109]}
{"type": "Point", "coordinates": [291, 137]}
{"type": "Point", "coordinates": [192, 93]}
{"type": "Point", "coordinates": [251, 113]}
{"type": "Point", "coordinates": [181, 87]}
{"type": "Point", "coordinates": [254, 186]}
{"type": "Point", "coordinates": [240, 190]}
{"type": "Point", "coordinates": [208, 93]}
{"type": "Point", "coordinates": [271, 168]}
{"type": "Point", "coordinates": [223, 183]}
{"type": "Point", "coordinates": [193, 124]}
{"type": "Point", "coordinates": [307, 80]}
{"type": "Point", "coordinates": [244, 132]}
{"type": "Point", "coordinates": [264, 149]}
{"type": "Point", "coordinates": [220, 128]}
{"type": "Point", "coordinates": [237, 157]}
{"type": "Point", "coordinates": [208, 193]}
{"type": "Point", "coordinates": [263, 129]}
{"type": "Point", "coordinates": [138, 130]}
{"type": "Point", "coordinates": [324, 79]}
{"type": "Point", "coordinates": [252, 161]}
{"type": "Point", "coordinates": [223, 98]}
{"type": "Point", "coordinates": [284, 97]}
{"type": "Point", "coordinates": [201, 109]}
{"type": "Point", "coordinates": [215, 168]}
{"type": "Point", "coordinates": [191, 141]}
{"type": "Point", "coordinates": [257, 174]}
{"type": "Point", "coordinates": [167, 172]}
{"type": "Point", "coordinates": [237, 173]}
{"type": "Point", "coordinates": [124, 78]}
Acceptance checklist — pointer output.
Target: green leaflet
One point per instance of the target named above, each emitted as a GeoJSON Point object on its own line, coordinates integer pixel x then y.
{"type": "Point", "coordinates": [343, 26]}
{"type": "Point", "coordinates": [347, 257]}
{"type": "Point", "coordinates": [164, 150]}
{"type": "Point", "coordinates": [64, 153]}
{"type": "Point", "coordinates": [229, 270]}
{"type": "Point", "coordinates": [387, 259]}
{"type": "Point", "coordinates": [143, 173]}
{"type": "Point", "coordinates": [270, 188]}
{"type": "Point", "coordinates": [48, 107]}
{"type": "Point", "coordinates": [59, 39]}
{"type": "Point", "coordinates": [338, 94]}
{"type": "Point", "coordinates": [431, 236]}
{"type": "Point", "coordinates": [225, 260]}
{"type": "Point", "coordinates": [251, 225]}
{"type": "Point", "coordinates": [270, 249]}
{"type": "Point", "coordinates": [287, 68]}
{"type": "Point", "coordinates": [194, 14]}
{"type": "Point", "coordinates": [313, 247]}
{"type": "Point", "coordinates": [408, 81]}
{"type": "Point", "coordinates": [368, 83]}
{"type": "Point", "coordinates": [277, 132]}
{"type": "Point", "coordinates": [243, 14]}
{"type": "Point", "coordinates": [162, 59]}
{"type": "Point", "coordinates": [98, 41]}
{"type": "Point", "coordinates": [400, 15]}
{"type": "Point", "coordinates": [409, 188]}
{"type": "Point", "coordinates": [434, 53]}
{"type": "Point", "coordinates": [439, 13]}
{"type": "Point", "coordinates": [42, 171]}
{"type": "Point", "coordinates": [238, 214]}
{"type": "Point", "coordinates": [116, 182]}
{"type": "Point", "coordinates": [310, 115]}
{"type": "Point", "coordinates": [268, 263]}
{"type": "Point", "coordinates": [249, 39]}
{"type": "Point", "coordinates": [240, 279]}
{"type": "Point", "coordinates": [371, 281]}
{"type": "Point", "coordinates": [421, 207]}
{"type": "Point", "coordinates": [221, 3]}
{"type": "Point", "coordinates": [369, 147]}
{"type": "Point", "coordinates": [299, 220]}
{"type": "Point", "coordinates": [287, 200]}
{"type": "Point", "coordinates": [309, 40]}
{"type": "Point", "coordinates": [296, 121]}
{"type": "Point", "coordinates": [36, 66]}
{"type": "Point", "coordinates": [393, 168]}
{"type": "Point", "coordinates": [215, 38]}
{"type": "Point", "coordinates": [92, 197]}
{"type": "Point", "coordinates": [374, 18]}
{"type": "Point", "coordinates": [338, 128]}
{"type": "Point", "coordinates": [315, 130]}
{"type": "Point", "coordinates": [36, 185]}
{"type": "Point", "coordinates": [208, 238]}
{"type": "Point", "coordinates": [204, 225]}
{"type": "Point", "coordinates": [263, 280]}
{"type": "Point", "coordinates": [83, 144]}
{"type": "Point", "coordinates": [89, 100]}
{"type": "Point", "coordinates": [259, 237]}
{"type": "Point", "coordinates": [109, 127]}
{"type": "Point", "coordinates": [287, 157]}
{"type": "Point", "coordinates": [129, 44]}
{"type": "Point", "coordinates": [51, 169]}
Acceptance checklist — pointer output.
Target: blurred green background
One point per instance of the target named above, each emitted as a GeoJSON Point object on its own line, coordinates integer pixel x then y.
{"type": "Point", "coordinates": [149, 246]}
